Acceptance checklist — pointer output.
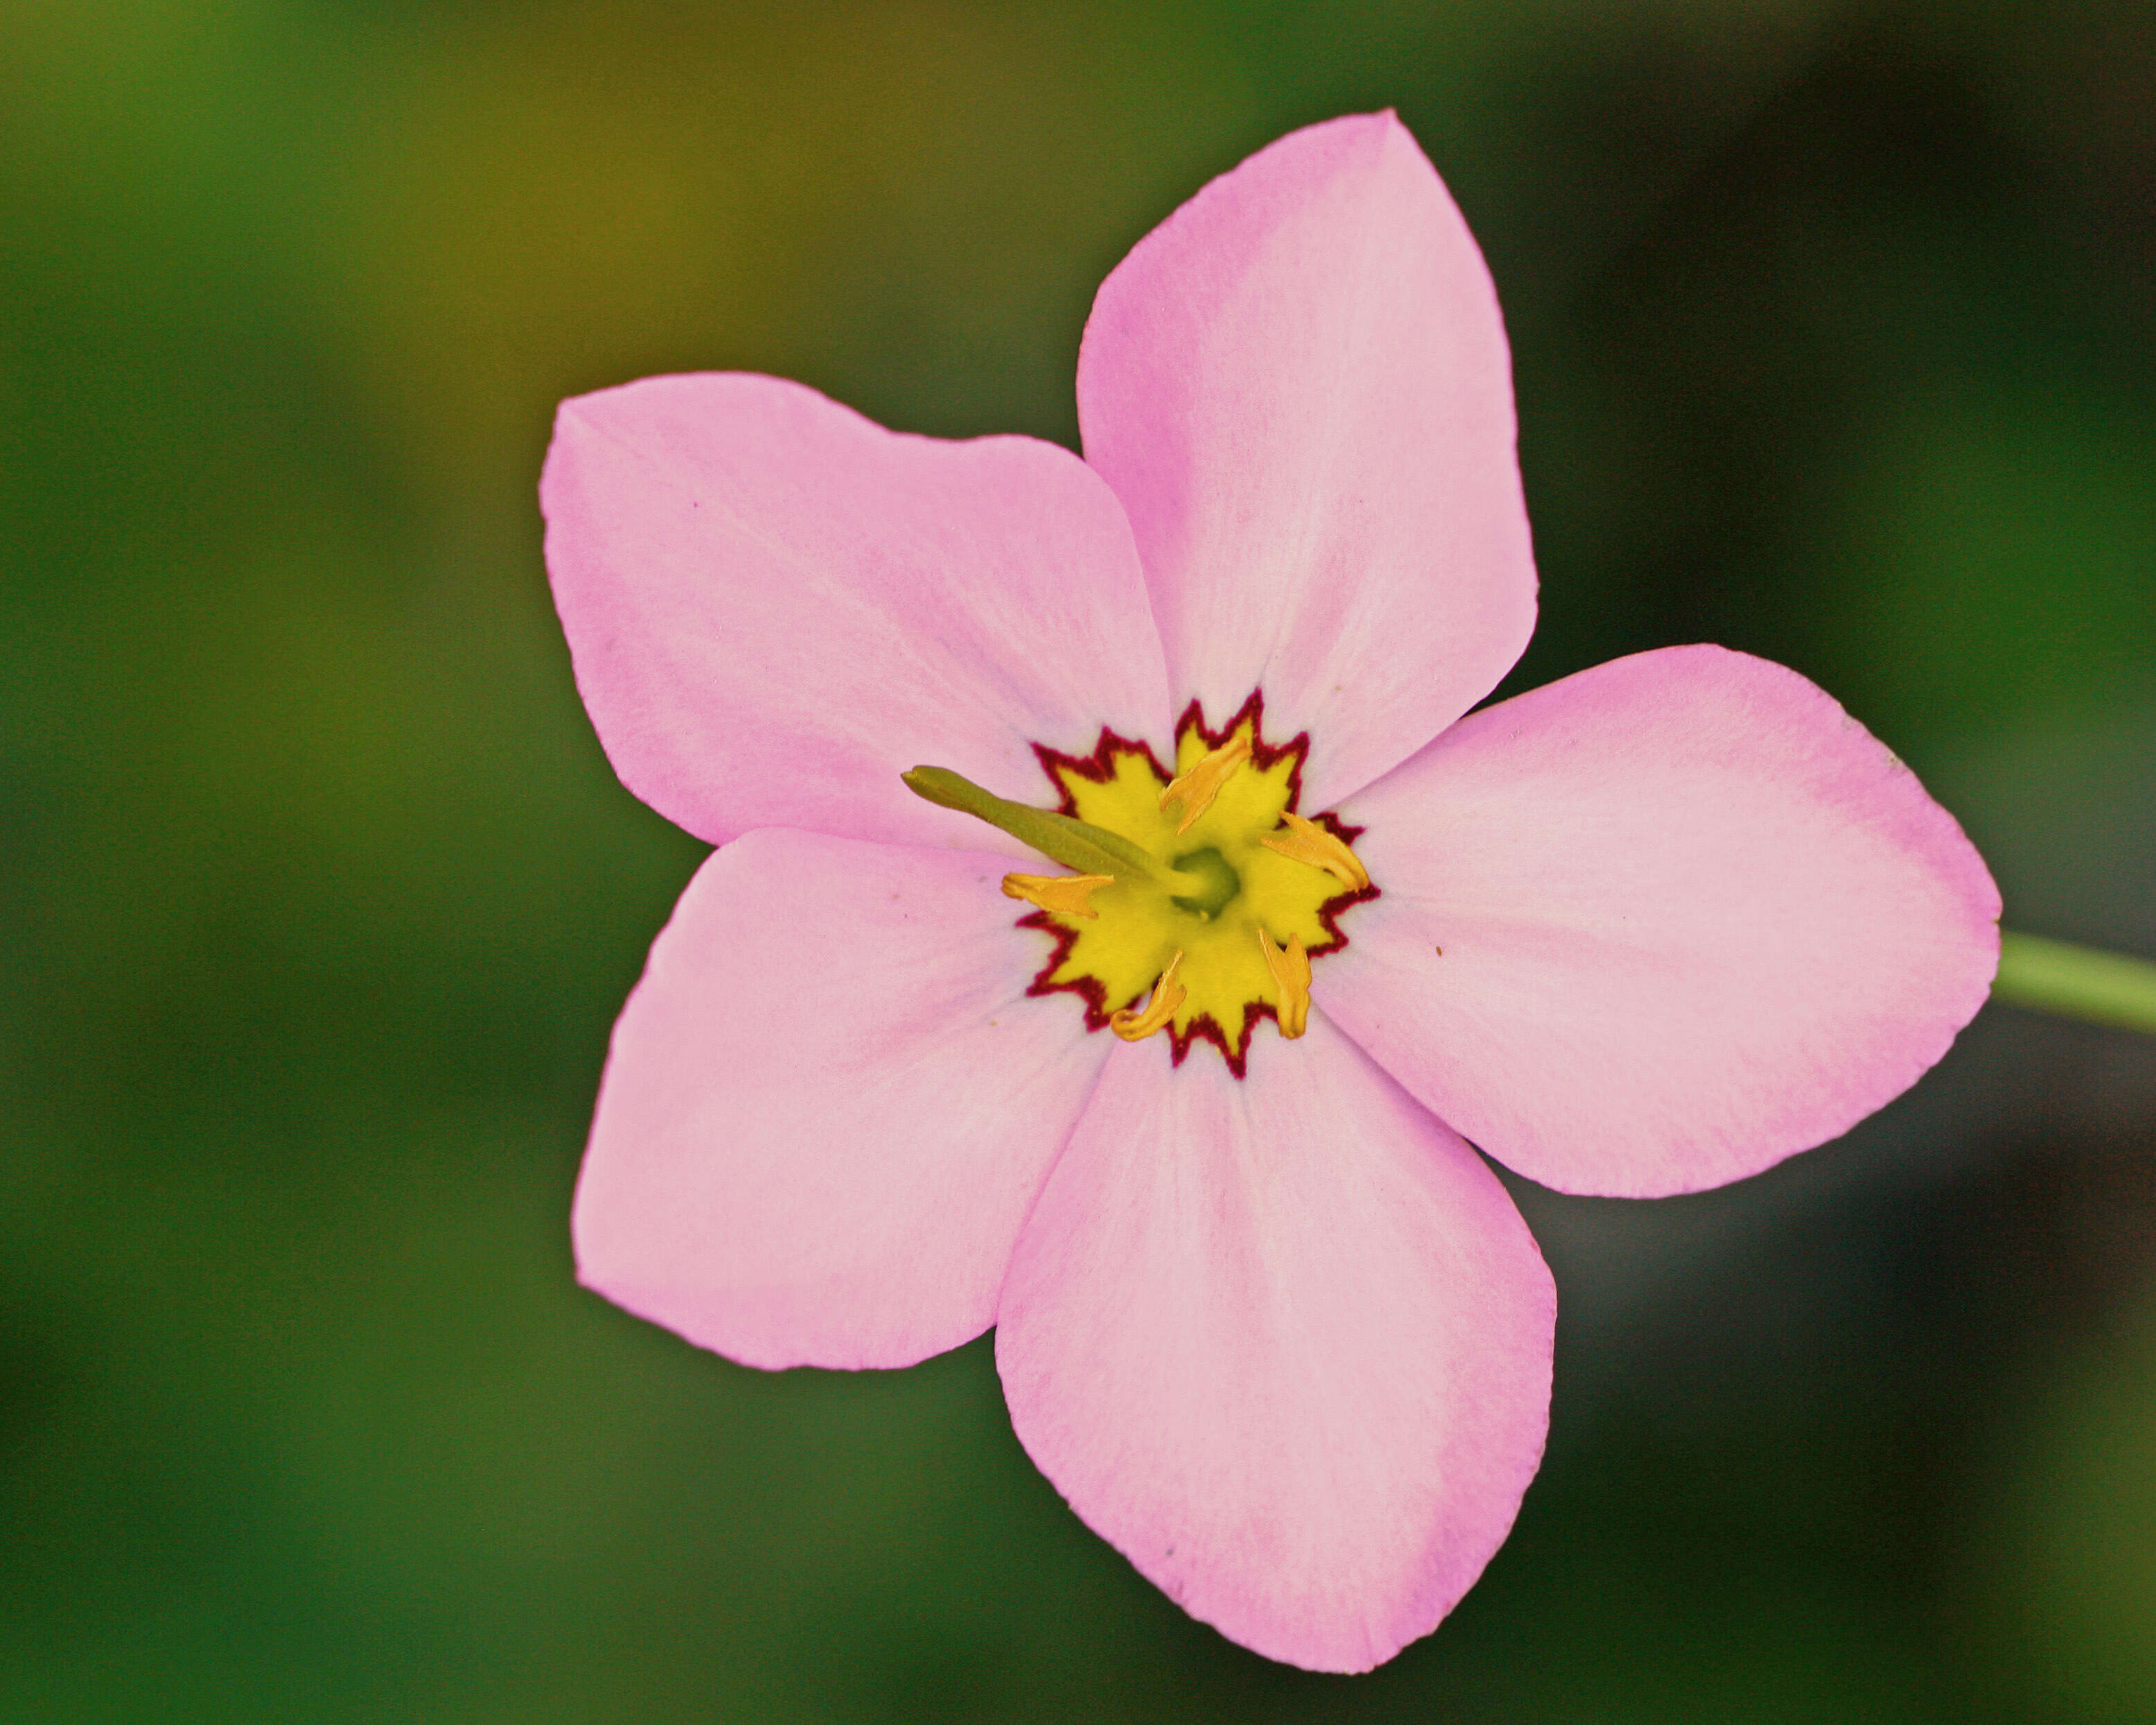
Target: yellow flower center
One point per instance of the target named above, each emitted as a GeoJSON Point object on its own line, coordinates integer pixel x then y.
{"type": "Point", "coordinates": [1202, 898]}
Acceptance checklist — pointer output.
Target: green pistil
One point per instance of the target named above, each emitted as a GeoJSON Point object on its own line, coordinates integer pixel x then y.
{"type": "Point", "coordinates": [1222, 883]}
{"type": "Point", "coordinates": [1089, 849]}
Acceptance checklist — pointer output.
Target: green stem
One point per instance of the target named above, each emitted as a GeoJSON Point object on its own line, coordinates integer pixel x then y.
{"type": "Point", "coordinates": [2076, 981]}
{"type": "Point", "coordinates": [1090, 849]}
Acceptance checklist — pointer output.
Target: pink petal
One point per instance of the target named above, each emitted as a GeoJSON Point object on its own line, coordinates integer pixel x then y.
{"type": "Point", "coordinates": [1285, 1342]}
{"type": "Point", "coordinates": [776, 607]}
{"type": "Point", "coordinates": [1298, 384]}
{"type": "Point", "coordinates": [829, 1106]}
{"type": "Point", "coordinates": [1694, 918]}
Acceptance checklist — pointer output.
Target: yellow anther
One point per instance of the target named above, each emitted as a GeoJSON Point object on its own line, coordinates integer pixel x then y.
{"type": "Point", "coordinates": [1168, 995]}
{"type": "Point", "coordinates": [1071, 895]}
{"type": "Point", "coordinates": [1305, 841]}
{"type": "Point", "coordinates": [1291, 976]}
{"type": "Point", "coordinates": [1196, 789]}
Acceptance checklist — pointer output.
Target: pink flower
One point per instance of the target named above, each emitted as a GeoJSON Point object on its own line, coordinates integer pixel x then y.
{"type": "Point", "coordinates": [1268, 1321]}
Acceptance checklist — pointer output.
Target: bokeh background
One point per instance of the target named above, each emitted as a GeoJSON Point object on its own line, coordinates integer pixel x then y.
{"type": "Point", "coordinates": [1835, 335]}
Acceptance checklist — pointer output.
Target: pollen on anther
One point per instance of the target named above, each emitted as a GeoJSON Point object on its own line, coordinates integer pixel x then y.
{"type": "Point", "coordinates": [1196, 789]}
{"type": "Point", "coordinates": [1070, 894]}
{"type": "Point", "coordinates": [1167, 997]}
{"type": "Point", "coordinates": [1291, 974]}
{"type": "Point", "coordinates": [1305, 841]}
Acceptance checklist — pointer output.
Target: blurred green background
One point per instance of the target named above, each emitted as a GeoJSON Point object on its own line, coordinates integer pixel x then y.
{"type": "Point", "coordinates": [1835, 335]}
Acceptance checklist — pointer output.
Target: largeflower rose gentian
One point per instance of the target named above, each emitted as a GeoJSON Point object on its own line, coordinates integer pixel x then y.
{"type": "Point", "coordinates": [1262, 1313]}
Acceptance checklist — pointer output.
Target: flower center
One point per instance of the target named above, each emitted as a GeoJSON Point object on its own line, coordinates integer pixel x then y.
{"type": "Point", "coordinates": [1199, 901]}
